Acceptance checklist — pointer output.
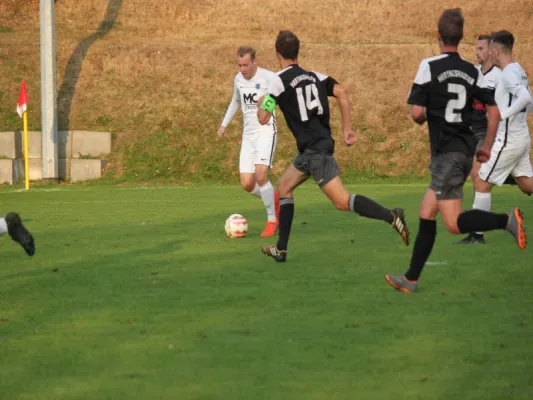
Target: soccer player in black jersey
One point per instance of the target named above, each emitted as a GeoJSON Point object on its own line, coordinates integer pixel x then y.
{"type": "Point", "coordinates": [443, 92]}
{"type": "Point", "coordinates": [303, 98]}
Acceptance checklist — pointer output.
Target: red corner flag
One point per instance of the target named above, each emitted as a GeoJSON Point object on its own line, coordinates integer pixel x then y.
{"type": "Point", "coordinates": [22, 104]}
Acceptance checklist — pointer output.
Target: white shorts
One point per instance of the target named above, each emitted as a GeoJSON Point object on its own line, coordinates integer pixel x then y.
{"type": "Point", "coordinates": [257, 148]}
{"type": "Point", "coordinates": [512, 159]}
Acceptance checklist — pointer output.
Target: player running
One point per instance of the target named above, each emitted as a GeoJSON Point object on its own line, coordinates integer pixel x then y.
{"type": "Point", "coordinates": [443, 93]}
{"type": "Point", "coordinates": [303, 98]}
{"type": "Point", "coordinates": [258, 141]}
{"type": "Point", "coordinates": [509, 151]}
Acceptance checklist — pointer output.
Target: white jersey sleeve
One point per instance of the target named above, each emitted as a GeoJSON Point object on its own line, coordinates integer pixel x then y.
{"type": "Point", "coordinates": [275, 87]}
{"type": "Point", "coordinates": [233, 106]}
{"type": "Point", "coordinates": [419, 94]}
{"type": "Point", "coordinates": [513, 99]}
{"type": "Point", "coordinates": [514, 82]}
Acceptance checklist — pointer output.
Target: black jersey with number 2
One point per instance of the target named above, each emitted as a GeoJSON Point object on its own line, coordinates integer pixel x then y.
{"type": "Point", "coordinates": [447, 86]}
{"type": "Point", "coordinates": [303, 98]}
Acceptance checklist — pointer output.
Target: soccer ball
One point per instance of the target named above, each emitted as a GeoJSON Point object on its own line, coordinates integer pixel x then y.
{"type": "Point", "coordinates": [236, 226]}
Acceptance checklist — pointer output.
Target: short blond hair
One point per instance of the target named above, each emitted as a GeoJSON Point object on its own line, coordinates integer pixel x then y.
{"type": "Point", "coordinates": [243, 50]}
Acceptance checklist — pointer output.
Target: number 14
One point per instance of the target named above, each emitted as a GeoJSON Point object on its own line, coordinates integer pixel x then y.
{"type": "Point", "coordinates": [310, 102]}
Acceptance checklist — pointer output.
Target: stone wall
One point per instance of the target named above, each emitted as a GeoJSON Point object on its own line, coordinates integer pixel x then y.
{"type": "Point", "coordinates": [80, 155]}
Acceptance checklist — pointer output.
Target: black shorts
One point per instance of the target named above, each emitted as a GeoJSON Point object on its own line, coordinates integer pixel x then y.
{"type": "Point", "coordinates": [321, 167]}
{"type": "Point", "coordinates": [449, 172]}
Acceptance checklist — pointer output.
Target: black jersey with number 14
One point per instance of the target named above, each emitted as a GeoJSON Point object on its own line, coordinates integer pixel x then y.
{"type": "Point", "coordinates": [303, 98]}
{"type": "Point", "coordinates": [447, 86]}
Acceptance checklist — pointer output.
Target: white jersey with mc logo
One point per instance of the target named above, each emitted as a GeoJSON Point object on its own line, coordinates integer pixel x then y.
{"type": "Point", "coordinates": [246, 92]}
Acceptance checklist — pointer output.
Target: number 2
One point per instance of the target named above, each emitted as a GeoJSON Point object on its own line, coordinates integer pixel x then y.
{"type": "Point", "coordinates": [455, 107]}
{"type": "Point", "coordinates": [308, 103]}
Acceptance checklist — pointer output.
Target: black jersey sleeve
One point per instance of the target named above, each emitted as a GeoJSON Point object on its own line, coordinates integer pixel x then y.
{"type": "Point", "coordinates": [419, 94]}
{"type": "Point", "coordinates": [482, 92]}
{"type": "Point", "coordinates": [330, 84]}
{"type": "Point", "coordinates": [329, 81]}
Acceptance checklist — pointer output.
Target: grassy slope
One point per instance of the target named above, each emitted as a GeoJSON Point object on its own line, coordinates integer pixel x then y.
{"type": "Point", "coordinates": [158, 73]}
{"type": "Point", "coordinates": [130, 297]}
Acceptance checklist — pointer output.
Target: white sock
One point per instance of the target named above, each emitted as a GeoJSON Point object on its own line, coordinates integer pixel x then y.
{"type": "Point", "coordinates": [3, 226]}
{"type": "Point", "coordinates": [482, 201]}
{"type": "Point", "coordinates": [256, 192]}
{"type": "Point", "coordinates": [267, 194]}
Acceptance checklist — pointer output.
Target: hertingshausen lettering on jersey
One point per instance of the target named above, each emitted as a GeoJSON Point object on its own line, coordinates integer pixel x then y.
{"type": "Point", "coordinates": [303, 98]}
{"type": "Point", "coordinates": [447, 86]}
{"type": "Point", "coordinates": [301, 78]}
{"type": "Point", "coordinates": [455, 73]}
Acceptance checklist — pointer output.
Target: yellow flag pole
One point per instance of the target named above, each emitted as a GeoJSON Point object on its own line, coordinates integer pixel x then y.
{"type": "Point", "coordinates": [26, 155]}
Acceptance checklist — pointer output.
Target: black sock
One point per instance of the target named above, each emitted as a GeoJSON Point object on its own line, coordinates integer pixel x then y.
{"type": "Point", "coordinates": [286, 214]}
{"type": "Point", "coordinates": [425, 239]}
{"type": "Point", "coordinates": [481, 221]}
{"type": "Point", "coordinates": [368, 208]}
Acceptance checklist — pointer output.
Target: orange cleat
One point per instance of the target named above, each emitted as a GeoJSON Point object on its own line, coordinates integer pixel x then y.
{"type": "Point", "coordinates": [271, 229]}
{"type": "Point", "coordinates": [515, 226]}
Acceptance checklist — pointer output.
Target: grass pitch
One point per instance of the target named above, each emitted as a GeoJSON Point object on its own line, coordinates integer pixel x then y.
{"type": "Point", "coordinates": [136, 293]}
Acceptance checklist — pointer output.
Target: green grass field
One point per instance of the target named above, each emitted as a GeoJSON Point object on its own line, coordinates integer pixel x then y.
{"type": "Point", "coordinates": [136, 293]}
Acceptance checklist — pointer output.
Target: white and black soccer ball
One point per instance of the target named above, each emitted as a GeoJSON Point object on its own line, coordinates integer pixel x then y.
{"type": "Point", "coordinates": [236, 226]}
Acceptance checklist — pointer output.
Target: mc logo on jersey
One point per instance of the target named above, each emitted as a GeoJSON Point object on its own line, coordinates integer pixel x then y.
{"type": "Point", "coordinates": [250, 98]}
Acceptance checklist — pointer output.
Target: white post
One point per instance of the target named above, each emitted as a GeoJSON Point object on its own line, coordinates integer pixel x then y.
{"type": "Point", "coordinates": [48, 90]}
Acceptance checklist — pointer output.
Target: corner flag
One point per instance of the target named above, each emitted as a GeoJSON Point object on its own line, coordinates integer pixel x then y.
{"type": "Point", "coordinates": [22, 105]}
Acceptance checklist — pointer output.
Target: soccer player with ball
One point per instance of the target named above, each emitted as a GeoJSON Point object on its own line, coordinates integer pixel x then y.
{"type": "Point", "coordinates": [258, 141]}
{"type": "Point", "coordinates": [303, 98]}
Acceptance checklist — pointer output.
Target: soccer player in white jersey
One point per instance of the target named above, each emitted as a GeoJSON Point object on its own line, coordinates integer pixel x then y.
{"type": "Point", "coordinates": [507, 152]}
{"type": "Point", "coordinates": [12, 225]}
{"type": "Point", "coordinates": [258, 141]}
{"type": "Point", "coordinates": [491, 75]}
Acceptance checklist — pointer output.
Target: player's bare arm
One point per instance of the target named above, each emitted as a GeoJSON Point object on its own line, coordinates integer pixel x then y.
{"type": "Point", "coordinates": [418, 114]}
{"type": "Point", "coordinates": [266, 108]}
{"type": "Point", "coordinates": [343, 102]}
{"type": "Point", "coordinates": [493, 118]}
{"type": "Point", "coordinates": [221, 131]}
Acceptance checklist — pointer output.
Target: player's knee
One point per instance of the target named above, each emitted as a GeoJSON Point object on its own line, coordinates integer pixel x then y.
{"type": "Point", "coordinates": [262, 178]}
{"type": "Point", "coordinates": [284, 189]}
{"type": "Point", "coordinates": [427, 214]}
{"type": "Point", "coordinates": [481, 185]}
{"type": "Point", "coordinates": [428, 211]}
{"type": "Point", "coordinates": [474, 175]}
{"type": "Point", "coordinates": [248, 185]}
{"type": "Point", "coordinates": [451, 226]}
{"type": "Point", "coordinates": [341, 205]}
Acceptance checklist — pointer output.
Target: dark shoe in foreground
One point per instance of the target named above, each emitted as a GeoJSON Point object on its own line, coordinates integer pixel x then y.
{"type": "Point", "coordinates": [272, 251]}
{"type": "Point", "coordinates": [473, 238]}
{"type": "Point", "coordinates": [399, 224]}
{"type": "Point", "coordinates": [19, 233]}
